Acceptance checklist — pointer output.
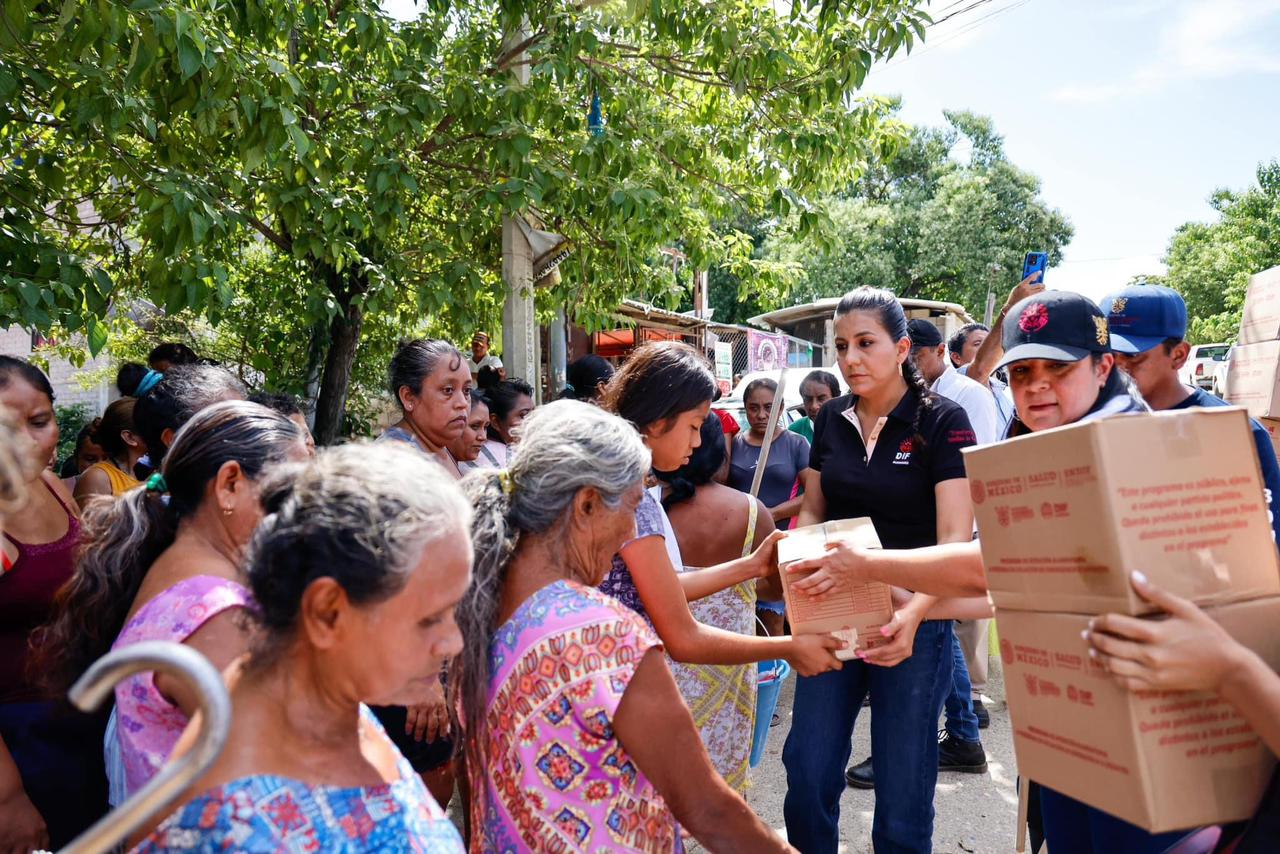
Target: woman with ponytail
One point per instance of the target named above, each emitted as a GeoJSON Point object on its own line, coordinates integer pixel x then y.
{"type": "Point", "coordinates": [714, 523]}
{"type": "Point", "coordinates": [665, 391]}
{"type": "Point", "coordinates": [889, 450]}
{"type": "Point", "coordinates": [163, 562]}
{"type": "Point", "coordinates": [123, 448]}
{"type": "Point", "coordinates": [577, 738]}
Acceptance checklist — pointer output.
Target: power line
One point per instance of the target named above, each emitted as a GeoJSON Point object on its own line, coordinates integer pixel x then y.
{"type": "Point", "coordinates": [973, 4]}
{"type": "Point", "coordinates": [969, 26]}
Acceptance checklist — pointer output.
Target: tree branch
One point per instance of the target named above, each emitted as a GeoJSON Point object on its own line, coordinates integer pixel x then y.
{"type": "Point", "coordinates": [281, 242]}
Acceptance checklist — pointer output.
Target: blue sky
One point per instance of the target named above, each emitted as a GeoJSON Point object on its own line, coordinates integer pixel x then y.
{"type": "Point", "coordinates": [1131, 111]}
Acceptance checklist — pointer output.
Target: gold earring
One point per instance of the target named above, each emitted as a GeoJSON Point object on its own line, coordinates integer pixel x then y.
{"type": "Point", "coordinates": [227, 511]}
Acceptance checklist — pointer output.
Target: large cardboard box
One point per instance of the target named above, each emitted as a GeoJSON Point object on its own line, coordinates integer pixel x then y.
{"type": "Point", "coordinates": [1253, 378]}
{"type": "Point", "coordinates": [1161, 760]}
{"type": "Point", "coordinates": [1260, 320]}
{"type": "Point", "coordinates": [1065, 515]}
{"type": "Point", "coordinates": [852, 611]}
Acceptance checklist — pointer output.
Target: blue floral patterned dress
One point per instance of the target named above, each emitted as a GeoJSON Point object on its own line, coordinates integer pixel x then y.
{"type": "Point", "coordinates": [269, 813]}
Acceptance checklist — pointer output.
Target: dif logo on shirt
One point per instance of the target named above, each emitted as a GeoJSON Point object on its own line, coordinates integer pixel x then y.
{"type": "Point", "coordinates": [903, 456]}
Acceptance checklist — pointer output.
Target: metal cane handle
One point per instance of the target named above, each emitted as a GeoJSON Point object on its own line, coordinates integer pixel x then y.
{"type": "Point", "coordinates": [195, 671]}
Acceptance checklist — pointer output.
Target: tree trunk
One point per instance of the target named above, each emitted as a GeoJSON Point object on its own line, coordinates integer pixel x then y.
{"type": "Point", "coordinates": [344, 336]}
{"type": "Point", "coordinates": [319, 334]}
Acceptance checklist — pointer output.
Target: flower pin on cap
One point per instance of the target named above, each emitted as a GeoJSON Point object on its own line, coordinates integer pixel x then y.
{"type": "Point", "coordinates": [1059, 325]}
{"type": "Point", "coordinates": [1143, 316]}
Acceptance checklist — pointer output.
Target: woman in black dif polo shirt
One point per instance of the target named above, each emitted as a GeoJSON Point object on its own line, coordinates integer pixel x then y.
{"type": "Point", "coordinates": [890, 450]}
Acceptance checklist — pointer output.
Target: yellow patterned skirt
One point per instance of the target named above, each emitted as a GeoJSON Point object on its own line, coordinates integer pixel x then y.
{"type": "Point", "coordinates": [722, 697]}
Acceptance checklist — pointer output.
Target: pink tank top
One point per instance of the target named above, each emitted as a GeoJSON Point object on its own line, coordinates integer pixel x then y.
{"type": "Point", "coordinates": [147, 725]}
{"type": "Point", "coordinates": [27, 589]}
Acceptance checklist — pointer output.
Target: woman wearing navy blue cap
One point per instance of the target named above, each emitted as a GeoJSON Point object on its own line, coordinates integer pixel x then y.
{"type": "Point", "coordinates": [1062, 371]}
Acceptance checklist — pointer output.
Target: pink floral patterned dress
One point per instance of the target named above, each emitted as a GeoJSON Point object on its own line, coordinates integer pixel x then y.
{"type": "Point", "coordinates": [559, 780]}
{"type": "Point", "coordinates": [147, 725]}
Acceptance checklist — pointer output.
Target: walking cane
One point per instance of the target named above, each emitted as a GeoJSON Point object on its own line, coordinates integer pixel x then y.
{"type": "Point", "coordinates": [774, 413]}
{"type": "Point", "coordinates": [196, 673]}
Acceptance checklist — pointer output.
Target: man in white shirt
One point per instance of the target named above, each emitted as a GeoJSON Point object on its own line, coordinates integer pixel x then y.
{"type": "Point", "coordinates": [963, 349]}
{"type": "Point", "coordinates": [929, 354]}
{"type": "Point", "coordinates": [482, 358]}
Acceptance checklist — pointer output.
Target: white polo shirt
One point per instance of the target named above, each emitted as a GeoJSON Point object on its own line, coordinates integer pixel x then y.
{"type": "Point", "coordinates": [489, 361]}
{"type": "Point", "coordinates": [977, 402]}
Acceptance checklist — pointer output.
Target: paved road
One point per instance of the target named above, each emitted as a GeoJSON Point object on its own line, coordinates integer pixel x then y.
{"type": "Point", "coordinates": [975, 813]}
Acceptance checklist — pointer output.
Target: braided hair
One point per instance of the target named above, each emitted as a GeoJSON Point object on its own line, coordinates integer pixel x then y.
{"type": "Point", "coordinates": [885, 306]}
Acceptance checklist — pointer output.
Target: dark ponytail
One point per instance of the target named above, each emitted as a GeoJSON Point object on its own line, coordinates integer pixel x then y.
{"type": "Point", "coordinates": [1118, 383]}
{"type": "Point", "coordinates": [916, 384]}
{"type": "Point", "coordinates": [180, 393]}
{"type": "Point", "coordinates": [886, 307]}
{"type": "Point", "coordinates": [120, 539]}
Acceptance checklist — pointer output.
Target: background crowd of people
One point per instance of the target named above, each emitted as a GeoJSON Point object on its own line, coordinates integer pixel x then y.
{"type": "Point", "coordinates": [554, 614]}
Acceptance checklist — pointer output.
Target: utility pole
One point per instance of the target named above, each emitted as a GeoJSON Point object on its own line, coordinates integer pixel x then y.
{"type": "Point", "coordinates": [520, 344]}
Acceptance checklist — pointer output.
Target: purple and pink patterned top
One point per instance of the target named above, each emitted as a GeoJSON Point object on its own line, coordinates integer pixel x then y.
{"type": "Point", "coordinates": [559, 779]}
{"type": "Point", "coordinates": [147, 725]}
{"type": "Point", "coordinates": [268, 813]}
{"type": "Point", "coordinates": [618, 583]}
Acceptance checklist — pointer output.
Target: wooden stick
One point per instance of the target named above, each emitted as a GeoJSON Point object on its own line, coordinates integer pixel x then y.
{"type": "Point", "coordinates": [774, 413]}
{"type": "Point", "coordinates": [1024, 795]}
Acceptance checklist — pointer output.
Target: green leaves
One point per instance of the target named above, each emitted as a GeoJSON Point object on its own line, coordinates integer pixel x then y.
{"type": "Point", "coordinates": [190, 58]}
{"type": "Point", "coordinates": [268, 165]}
{"type": "Point", "coordinates": [925, 225]}
{"type": "Point", "coordinates": [1210, 263]}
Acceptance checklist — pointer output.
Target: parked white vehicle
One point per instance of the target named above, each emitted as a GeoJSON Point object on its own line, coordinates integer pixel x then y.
{"type": "Point", "coordinates": [1220, 375]}
{"type": "Point", "coordinates": [795, 376]}
{"type": "Point", "coordinates": [1202, 363]}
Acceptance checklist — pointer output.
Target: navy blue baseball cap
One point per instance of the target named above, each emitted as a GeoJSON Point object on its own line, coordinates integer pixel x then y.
{"type": "Point", "coordinates": [1142, 316]}
{"type": "Point", "coordinates": [1059, 325]}
{"type": "Point", "coordinates": [923, 333]}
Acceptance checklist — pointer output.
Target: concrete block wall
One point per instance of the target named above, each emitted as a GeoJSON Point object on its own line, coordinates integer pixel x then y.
{"type": "Point", "coordinates": [68, 389]}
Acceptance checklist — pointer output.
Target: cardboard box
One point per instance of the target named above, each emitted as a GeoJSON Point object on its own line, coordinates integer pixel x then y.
{"type": "Point", "coordinates": [1253, 378]}
{"type": "Point", "coordinates": [1161, 760]}
{"type": "Point", "coordinates": [1272, 426]}
{"type": "Point", "coordinates": [1260, 320]}
{"type": "Point", "coordinates": [852, 612]}
{"type": "Point", "coordinates": [1065, 515]}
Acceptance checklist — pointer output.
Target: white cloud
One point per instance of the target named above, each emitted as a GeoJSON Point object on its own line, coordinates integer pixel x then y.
{"type": "Point", "coordinates": [1201, 39]}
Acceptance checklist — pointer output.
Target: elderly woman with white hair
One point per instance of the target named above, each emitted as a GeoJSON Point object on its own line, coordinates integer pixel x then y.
{"type": "Point", "coordinates": [362, 556]}
{"type": "Point", "coordinates": [577, 737]}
